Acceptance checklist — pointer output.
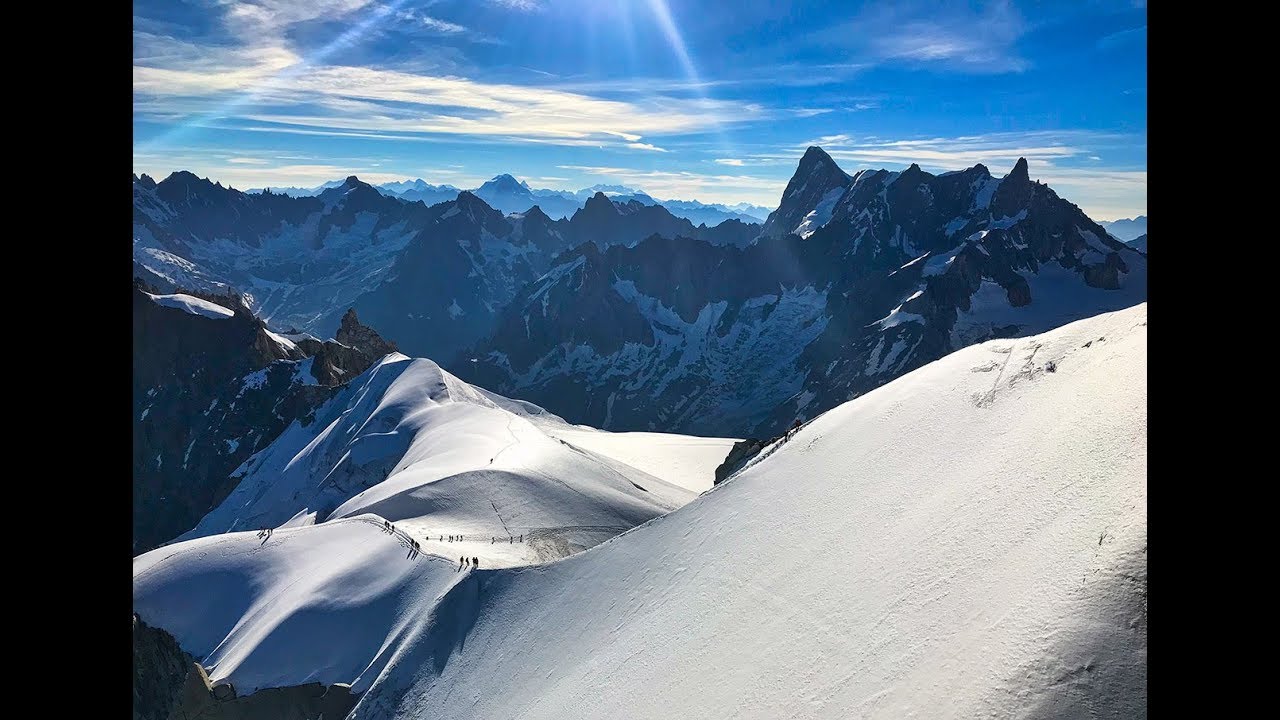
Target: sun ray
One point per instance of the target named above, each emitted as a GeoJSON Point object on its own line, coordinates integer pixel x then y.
{"type": "Point", "coordinates": [662, 14]}
{"type": "Point", "coordinates": [280, 78]}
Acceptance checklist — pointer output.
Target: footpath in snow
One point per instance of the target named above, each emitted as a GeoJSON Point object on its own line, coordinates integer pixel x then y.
{"type": "Point", "coordinates": [442, 459]}
{"type": "Point", "coordinates": [968, 540]}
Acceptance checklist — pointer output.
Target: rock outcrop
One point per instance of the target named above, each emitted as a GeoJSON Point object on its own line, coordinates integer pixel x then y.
{"type": "Point", "coordinates": [208, 392]}
{"type": "Point", "coordinates": [159, 670]}
{"type": "Point", "coordinates": [168, 684]}
{"type": "Point", "coordinates": [852, 283]}
{"type": "Point", "coordinates": [200, 698]}
{"type": "Point", "coordinates": [739, 454]}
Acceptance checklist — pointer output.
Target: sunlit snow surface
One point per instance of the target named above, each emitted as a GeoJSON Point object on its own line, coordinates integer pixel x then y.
{"type": "Point", "coordinates": [193, 305]}
{"type": "Point", "coordinates": [968, 540]}
{"type": "Point", "coordinates": [416, 445]}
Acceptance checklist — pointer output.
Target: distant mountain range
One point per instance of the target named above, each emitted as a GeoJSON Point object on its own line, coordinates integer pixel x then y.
{"type": "Point", "coordinates": [1126, 229]}
{"type": "Point", "coordinates": [434, 277]}
{"type": "Point", "coordinates": [626, 316]}
{"type": "Point", "coordinates": [509, 195]}
{"type": "Point", "coordinates": [853, 281]}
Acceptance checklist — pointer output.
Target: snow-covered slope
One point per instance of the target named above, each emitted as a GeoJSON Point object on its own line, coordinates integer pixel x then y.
{"type": "Point", "coordinates": [193, 305]}
{"type": "Point", "coordinates": [413, 444]}
{"type": "Point", "coordinates": [317, 603]}
{"type": "Point", "coordinates": [968, 540]}
{"type": "Point", "coordinates": [678, 459]}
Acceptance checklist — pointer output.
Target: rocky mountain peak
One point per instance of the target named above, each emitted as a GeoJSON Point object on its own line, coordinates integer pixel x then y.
{"type": "Point", "coordinates": [597, 209]}
{"type": "Point", "coordinates": [1015, 191]}
{"type": "Point", "coordinates": [814, 159]}
{"type": "Point", "coordinates": [815, 178]}
{"type": "Point", "coordinates": [184, 181]}
{"type": "Point", "coordinates": [600, 201]}
{"type": "Point", "coordinates": [505, 184]}
{"type": "Point", "coordinates": [353, 333]}
{"type": "Point", "coordinates": [476, 208]}
{"type": "Point", "coordinates": [1019, 174]}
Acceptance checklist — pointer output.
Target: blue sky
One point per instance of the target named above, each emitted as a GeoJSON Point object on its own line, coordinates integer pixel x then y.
{"type": "Point", "coordinates": [683, 99]}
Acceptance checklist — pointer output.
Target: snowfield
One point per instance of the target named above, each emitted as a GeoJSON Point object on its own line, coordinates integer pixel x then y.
{"type": "Point", "coordinates": [678, 459]}
{"type": "Point", "coordinates": [968, 540]}
{"type": "Point", "coordinates": [411, 443]}
{"type": "Point", "coordinates": [193, 305]}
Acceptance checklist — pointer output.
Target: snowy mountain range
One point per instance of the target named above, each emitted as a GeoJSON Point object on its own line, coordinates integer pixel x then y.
{"type": "Point", "coordinates": [626, 317]}
{"type": "Point", "coordinates": [433, 278]}
{"type": "Point", "coordinates": [1126, 229]}
{"type": "Point", "coordinates": [509, 195]}
{"type": "Point", "coordinates": [900, 423]}
{"type": "Point", "coordinates": [853, 281]}
{"type": "Point", "coordinates": [968, 540]}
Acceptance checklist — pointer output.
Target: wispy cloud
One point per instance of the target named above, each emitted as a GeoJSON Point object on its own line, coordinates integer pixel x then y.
{"type": "Point", "coordinates": [954, 153]}
{"type": "Point", "coordinates": [1124, 37]}
{"type": "Point", "coordinates": [1067, 160]}
{"type": "Point", "coordinates": [263, 85]}
{"type": "Point", "coordinates": [976, 38]}
{"type": "Point", "coordinates": [810, 112]}
{"type": "Point", "coordinates": [251, 18]}
{"type": "Point", "coordinates": [337, 98]}
{"type": "Point", "coordinates": [521, 5]}
{"type": "Point", "coordinates": [1102, 194]}
{"type": "Point", "coordinates": [441, 26]}
{"type": "Point", "coordinates": [736, 162]}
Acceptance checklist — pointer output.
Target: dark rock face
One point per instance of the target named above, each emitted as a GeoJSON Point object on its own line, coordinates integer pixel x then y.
{"type": "Point", "coordinates": [352, 351]}
{"type": "Point", "coordinates": [739, 454]}
{"type": "Point", "coordinates": [606, 222]}
{"type": "Point", "coordinates": [445, 289]}
{"type": "Point", "coordinates": [451, 284]}
{"type": "Point", "coordinates": [208, 393]}
{"type": "Point", "coordinates": [159, 669]}
{"type": "Point", "coordinates": [199, 698]}
{"type": "Point", "coordinates": [297, 261]}
{"type": "Point", "coordinates": [815, 177]}
{"type": "Point", "coordinates": [685, 336]}
{"type": "Point", "coordinates": [432, 278]}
